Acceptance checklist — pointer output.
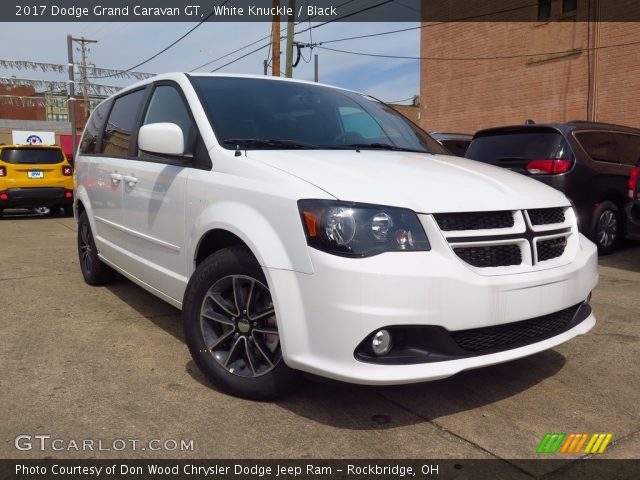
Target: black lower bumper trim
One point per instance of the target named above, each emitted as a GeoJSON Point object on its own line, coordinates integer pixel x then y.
{"type": "Point", "coordinates": [35, 197]}
{"type": "Point", "coordinates": [413, 344]}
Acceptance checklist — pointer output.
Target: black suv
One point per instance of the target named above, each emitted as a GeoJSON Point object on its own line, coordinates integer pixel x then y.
{"type": "Point", "coordinates": [590, 162]}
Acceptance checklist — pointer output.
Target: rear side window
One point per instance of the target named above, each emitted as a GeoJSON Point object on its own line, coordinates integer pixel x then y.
{"type": "Point", "coordinates": [628, 146]}
{"type": "Point", "coordinates": [117, 133]}
{"type": "Point", "coordinates": [89, 142]}
{"type": "Point", "coordinates": [510, 146]}
{"type": "Point", "coordinates": [600, 146]}
{"type": "Point", "coordinates": [32, 155]}
{"type": "Point", "coordinates": [457, 147]}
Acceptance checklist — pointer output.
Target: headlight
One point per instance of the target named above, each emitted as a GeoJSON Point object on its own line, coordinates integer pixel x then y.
{"type": "Point", "coordinates": [361, 230]}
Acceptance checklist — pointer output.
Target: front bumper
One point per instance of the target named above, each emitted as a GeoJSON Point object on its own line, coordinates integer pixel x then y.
{"type": "Point", "coordinates": [35, 197]}
{"type": "Point", "coordinates": [324, 316]}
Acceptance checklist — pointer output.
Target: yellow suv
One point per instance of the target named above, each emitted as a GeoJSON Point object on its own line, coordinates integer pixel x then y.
{"type": "Point", "coordinates": [35, 176]}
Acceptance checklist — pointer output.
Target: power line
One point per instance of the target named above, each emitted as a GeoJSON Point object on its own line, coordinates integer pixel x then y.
{"type": "Point", "coordinates": [494, 57]}
{"type": "Point", "coordinates": [240, 58]}
{"type": "Point", "coordinates": [400, 101]}
{"type": "Point", "coordinates": [311, 27]}
{"type": "Point", "coordinates": [179, 39]}
{"type": "Point", "coordinates": [256, 41]}
{"type": "Point", "coordinates": [428, 25]}
{"type": "Point", "coordinates": [344, 16]}
{"type": "Point", "coordinates": [296, 33]}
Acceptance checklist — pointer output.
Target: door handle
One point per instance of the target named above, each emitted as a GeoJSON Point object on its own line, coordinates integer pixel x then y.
{"type": "Point", "coordinates": [131, 180]}
{"type": "Point", "coordinates": [115, 178]}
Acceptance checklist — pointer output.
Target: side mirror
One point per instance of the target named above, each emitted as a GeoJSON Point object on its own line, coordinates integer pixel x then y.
{"type": "Point", "coordinates": [161, 138]}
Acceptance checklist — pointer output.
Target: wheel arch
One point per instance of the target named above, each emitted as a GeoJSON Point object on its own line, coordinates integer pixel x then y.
{"type": "Point", "coordinates": [281, 245]}
{"type": "Point", "coordinates": [215, 240]}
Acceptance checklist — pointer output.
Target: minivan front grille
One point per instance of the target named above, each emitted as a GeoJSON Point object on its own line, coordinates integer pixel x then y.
{"type": "Point", "coordinates": [520, 242]}
{"type": "Point", "coordinates": [490, 255]}
{"type": "Point", "coordinates": [524, 332]}
{"type": "Point", "coordinates": [552, 248]}
{"type": "Point", "coordinates": [474, 220]}
{"type": "Point", "coordinates": [546, 216]}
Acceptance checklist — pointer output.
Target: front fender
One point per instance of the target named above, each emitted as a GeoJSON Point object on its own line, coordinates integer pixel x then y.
{"type": "Point", "coordinates": [277, 242]}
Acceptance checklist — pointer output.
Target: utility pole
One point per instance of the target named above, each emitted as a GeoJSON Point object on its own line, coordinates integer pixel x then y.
{"type": "Point", "coordinates": [315, 67]}
{"type": "Point", "coordinates": [275, 39]}
{"type": "Point", "coordinates": [289, 68]}
{"type": "Point", "coordinates": [83, 75]}
{"type": "Point", "coordinates": [71, 102]}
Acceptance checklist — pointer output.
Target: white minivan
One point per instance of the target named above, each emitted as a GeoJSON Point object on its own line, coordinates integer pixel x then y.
{"type": "Point", "coordinates": [302, 227]}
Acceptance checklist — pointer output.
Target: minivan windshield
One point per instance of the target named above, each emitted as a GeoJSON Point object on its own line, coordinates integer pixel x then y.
{"type": "Point", "coordinates": [31, 155]}
{"type": "Point", "coordinates": [252, 113]}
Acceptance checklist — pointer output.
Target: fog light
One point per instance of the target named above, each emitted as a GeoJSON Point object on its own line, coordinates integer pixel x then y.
{"type": "Point", "coordinates": [381, 343]}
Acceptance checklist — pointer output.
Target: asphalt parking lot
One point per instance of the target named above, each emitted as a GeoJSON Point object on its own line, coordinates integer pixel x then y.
{"type": "Point", "coordinates": [111, 363]}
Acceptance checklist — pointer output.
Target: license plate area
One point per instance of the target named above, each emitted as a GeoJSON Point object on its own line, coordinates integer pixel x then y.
{"type": "Point", "coordinates": [35, 174]}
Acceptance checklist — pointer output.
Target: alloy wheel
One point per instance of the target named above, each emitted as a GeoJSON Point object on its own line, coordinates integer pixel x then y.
{"type": "Point", "coordinates": [238, 325]}
{"type": "Point", "coordinates": [85, 247]}
{"type": "Point", "coordinates": [607, 228]}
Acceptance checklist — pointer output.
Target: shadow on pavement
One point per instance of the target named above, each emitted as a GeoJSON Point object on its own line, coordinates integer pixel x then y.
{"type": "Point", "coordinates": [358, 407]}
{"type": "Point", "coordinates": [324, 402]}
{"type": "Point", "coordinates": [627, 257]}
{"type": "Point", "coordinates": [148, 306]}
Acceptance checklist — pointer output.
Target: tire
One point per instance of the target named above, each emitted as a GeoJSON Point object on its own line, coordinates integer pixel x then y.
{"type": "Point", "coordinates": [93, 270]}
{"type": "Point", "coordinates": [606, 227]}
{"type": "Point", "coordinates": [68, 210]}
{"type": "Point", "coordinates": [230, 327]}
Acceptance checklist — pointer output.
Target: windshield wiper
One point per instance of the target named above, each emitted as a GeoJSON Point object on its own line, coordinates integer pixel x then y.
{"type": "Point", "coordinates": [267, 143]}
{"type": "Point", "coordinates": [374, 146]}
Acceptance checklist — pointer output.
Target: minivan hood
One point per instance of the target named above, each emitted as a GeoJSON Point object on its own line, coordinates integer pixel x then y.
{"type": "Point", "coordinates": [422, 182]}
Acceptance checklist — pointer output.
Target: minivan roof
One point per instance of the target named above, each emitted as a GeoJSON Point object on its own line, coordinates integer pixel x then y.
{"type": "Point", "coordinates": [176, 75]}
{"type": "Point", "coordinates": [559, 127]}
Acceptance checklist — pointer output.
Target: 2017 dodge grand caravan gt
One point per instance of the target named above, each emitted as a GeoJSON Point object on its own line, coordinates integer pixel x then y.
{"type": "Point", "coordinates": [302, 227]}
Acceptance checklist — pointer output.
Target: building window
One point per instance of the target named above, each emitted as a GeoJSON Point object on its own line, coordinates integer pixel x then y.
{"type": "Point", "coordinates": [544, 9]}
{"type": "Point", "coordinates": [569, 6]}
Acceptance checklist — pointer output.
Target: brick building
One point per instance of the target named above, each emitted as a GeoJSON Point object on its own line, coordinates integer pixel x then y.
{"type": "Point", "coordinates": [47, 106]}
{"type": "Point", "coordinates": [581, 75]}
{"type": "Point", "coordinates": [14, 111]}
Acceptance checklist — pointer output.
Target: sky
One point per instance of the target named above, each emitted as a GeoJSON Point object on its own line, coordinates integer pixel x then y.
{"type": "Point", "coordinates": [123, 45]}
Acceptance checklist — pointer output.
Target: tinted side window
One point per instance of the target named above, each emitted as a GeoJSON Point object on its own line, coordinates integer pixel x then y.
{"type": "Point", "coordinates": [117, 133]}
{"type": "Point", "coordinates": [628, 148]}
{"type": "Point", "coordinates": [89, 142]}
{"type": "Point", "coordinates": [166, 105]}
{"type": "Point", "coordinates": [457, 147]}
{"type": "Point", "coordinates": [600, 146]}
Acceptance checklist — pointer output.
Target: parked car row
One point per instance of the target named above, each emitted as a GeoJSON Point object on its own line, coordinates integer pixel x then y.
{"type": "Point", "coordinates": [591, 162]}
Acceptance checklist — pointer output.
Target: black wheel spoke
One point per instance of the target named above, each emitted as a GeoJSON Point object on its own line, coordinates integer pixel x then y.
{"type": "Point", "coordinates": [217, 317]}
{"type": "Point", "coordinates": [266, 313]}
{"type": "Point", "coordinates": [266, 330]}
{"type": "Point", "coordinates": [222, 303]}
{"type": "Point", "coordinates": [233, 352]}
{"type": "Point", "coordinates": [262, 349]}
{"type": "Point", "coordinates": [222, 339]}
{"type": "Point", "coordinates": [249, 356]}
{"type": "Point", "coordinates": [239, 294]}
